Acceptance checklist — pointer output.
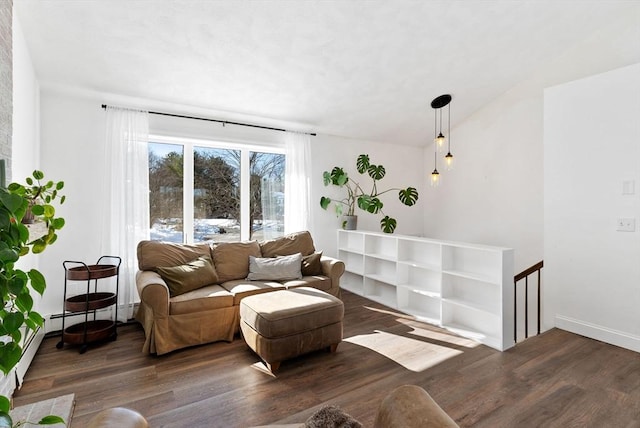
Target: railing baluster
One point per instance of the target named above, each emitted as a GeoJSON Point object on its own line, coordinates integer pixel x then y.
{"type": "Point", "coordinates": [525, 275]}
{"type": "Point", "coordinates": [526, 307]}
{"type": "Point", "coordinates": [515, 311]}
{"type": "Point", "coordinates": [539, 270]}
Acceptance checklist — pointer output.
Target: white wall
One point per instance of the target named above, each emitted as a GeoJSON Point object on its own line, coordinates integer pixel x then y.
{"type": "Point", "coordinates": [592, 145]}
{"type": "Point", "coordinates": [26, 109]}
{"type": "Point", "coordinates": [495, 193]}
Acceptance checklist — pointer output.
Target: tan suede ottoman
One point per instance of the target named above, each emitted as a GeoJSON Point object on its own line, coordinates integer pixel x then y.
{"type": "Point", "coordinates": [286, 323]}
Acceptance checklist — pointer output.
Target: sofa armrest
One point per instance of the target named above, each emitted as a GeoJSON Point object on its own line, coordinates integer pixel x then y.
{"type": "Point", "coordinates": [153, 292]}
{"type": "Point", "coordinates": [333, 268]}
{"type": "Point", "coordinates": [410, 406]}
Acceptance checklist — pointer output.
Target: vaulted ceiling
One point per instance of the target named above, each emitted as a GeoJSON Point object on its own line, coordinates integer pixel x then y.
{"type": "Point", "coordinates": [362, 69]}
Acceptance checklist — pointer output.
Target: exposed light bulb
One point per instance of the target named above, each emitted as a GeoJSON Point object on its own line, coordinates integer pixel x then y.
{"type": "Point", "coordinates": [435, 178]}
{"type": "Point", "coordinates": [448, 161]}
{"type": "Point", "coordinates": [440, 140]}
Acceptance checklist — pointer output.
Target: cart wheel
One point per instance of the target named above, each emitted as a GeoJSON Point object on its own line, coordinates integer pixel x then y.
{"type": "Point", "coordinates": [83, 349]}
{"type": "Point", "coordinates": [60, 344]}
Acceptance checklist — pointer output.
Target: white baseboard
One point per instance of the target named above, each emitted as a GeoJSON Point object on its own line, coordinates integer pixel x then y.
{"type": "Point", "coordinates": [598, 332]}
{"type": "Point", "coordinates": [27, 355]}
{"type": "Point", "coordinates": [8, 383]}
{"type": "Point", "coordinates": [13, 381]}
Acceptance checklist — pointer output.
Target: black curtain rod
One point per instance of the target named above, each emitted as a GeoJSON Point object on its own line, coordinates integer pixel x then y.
{"type": "Point", "coordinates": [223, 122]}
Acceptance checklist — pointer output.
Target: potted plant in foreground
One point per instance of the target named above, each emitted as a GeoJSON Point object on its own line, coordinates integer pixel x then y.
{"type": "Point", "coordinates": [357, 196]}
{"type": "Point", "coordinates": [16, 308]}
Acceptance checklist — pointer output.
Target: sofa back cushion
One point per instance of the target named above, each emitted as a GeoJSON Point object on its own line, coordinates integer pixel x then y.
{"type": "Point", "coordinates": [189, 276]}
{"type": "Point", "coordinates": [231, 259]}
{"type": "Point", "coordinates": [152, 254]}
{"type": "Point", "coordinates": [299, 242]}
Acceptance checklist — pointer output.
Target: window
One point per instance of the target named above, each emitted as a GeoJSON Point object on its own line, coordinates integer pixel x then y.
{"type": "Point", "coordinates": [166, 192]}
{"type": "Point", "coordinates": [202, 192]}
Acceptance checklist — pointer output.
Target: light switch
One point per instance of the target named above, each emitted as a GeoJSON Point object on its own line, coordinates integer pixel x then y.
{"type": "Point", "coordinates": [628, 187]}
{"type": "Point", "coordinates": [626, 225]}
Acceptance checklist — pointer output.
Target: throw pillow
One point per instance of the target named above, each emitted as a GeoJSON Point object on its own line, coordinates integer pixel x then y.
{"type": "Point", "coordinates": [190, 276]}
{"type": "Point", "coordinates": [331, 417]}
{"type": "Point", "coordinates": [298, 242]}
{"type": "Point", "coordinates": [311, 264]}
{"type": "Point", "coordinates": [232, 259]}
{"type": "Point", "coordinates": [275, 268]}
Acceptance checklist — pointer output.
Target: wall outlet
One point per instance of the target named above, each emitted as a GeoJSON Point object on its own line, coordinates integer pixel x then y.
{"type": "Point", "coordinates": [626, 225]}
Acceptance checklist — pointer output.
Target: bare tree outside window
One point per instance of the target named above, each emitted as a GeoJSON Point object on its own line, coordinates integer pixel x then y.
{"type": "Point", "coordinates": [216, 194]}
{"type": "Point", "coordinates": [166, 172]}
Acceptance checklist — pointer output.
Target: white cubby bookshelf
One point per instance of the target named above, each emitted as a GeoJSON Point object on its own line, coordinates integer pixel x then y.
{"type": "Point", "coordinates": [465, 288]}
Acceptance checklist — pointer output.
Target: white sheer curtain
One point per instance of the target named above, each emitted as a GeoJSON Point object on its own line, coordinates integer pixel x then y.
{"type": "Point", "coordinates": [126, 201]}
{"type": "Point", "coordinates": [297, 182]}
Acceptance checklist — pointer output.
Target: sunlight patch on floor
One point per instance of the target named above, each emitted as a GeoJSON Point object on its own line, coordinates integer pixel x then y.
{"type": "Point", "coordinates": [261, 367]}
{"type": "Point", "coordinates": [440, 336]}
{"type": "Point", "coordinates": [413, 354]}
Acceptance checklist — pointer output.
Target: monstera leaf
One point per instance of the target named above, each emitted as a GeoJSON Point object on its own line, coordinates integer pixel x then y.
{"type": "Point", "coordinates": [369, 204]}
{"type": "Point", "coordinates": [388, 224]}
{"type": "Point", "coordinates": [324, 202]}
{"type": "Point", "coordinates": [408, 196]}
{"type": "Point", "coordinates": [339, 177]}
{"type": "Point", "coordinates": [376, 172]}
{"type": "Point", "coordinates": [362, 164]}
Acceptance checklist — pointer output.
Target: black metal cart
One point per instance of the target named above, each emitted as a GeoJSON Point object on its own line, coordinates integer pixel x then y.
{"type": "Point", "coordinates": [91, 330]}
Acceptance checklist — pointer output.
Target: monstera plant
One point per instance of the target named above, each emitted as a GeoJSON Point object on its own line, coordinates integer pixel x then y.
{"type": "Point", "coordinates": [17, 315]}
{"type": "Point", "coordinates": [367, 200]}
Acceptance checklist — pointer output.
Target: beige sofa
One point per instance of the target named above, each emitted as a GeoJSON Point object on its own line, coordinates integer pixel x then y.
{"type": "Point", "coordinates": [190, 294]}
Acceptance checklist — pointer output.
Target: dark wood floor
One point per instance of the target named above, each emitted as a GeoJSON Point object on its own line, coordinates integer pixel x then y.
{"type": "Point", "coordinates": [556, 379]}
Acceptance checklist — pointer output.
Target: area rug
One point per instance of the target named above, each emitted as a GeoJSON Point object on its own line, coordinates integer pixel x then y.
{"type": "Point", "coordinates": [60, 406]}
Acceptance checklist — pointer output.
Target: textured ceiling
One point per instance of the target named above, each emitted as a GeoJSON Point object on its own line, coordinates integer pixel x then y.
{"type": "Point", "coordinates": [362, 69]}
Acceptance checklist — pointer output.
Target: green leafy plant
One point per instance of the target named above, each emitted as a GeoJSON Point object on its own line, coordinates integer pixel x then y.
{"type": "Point", "coordinates": [16, 310]}
{"type": "Point", "coordinates": [356, 196]}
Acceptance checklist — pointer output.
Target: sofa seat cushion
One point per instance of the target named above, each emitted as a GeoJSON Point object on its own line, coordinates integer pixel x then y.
{"type": "Point", "coordinates": [203, 299]}
{"type": "Point", "coordinates": [290, 312]}
{"type": "Point", "coordinates": [317, 281]}
{"type": "Point", "coordinates": [242, 288]}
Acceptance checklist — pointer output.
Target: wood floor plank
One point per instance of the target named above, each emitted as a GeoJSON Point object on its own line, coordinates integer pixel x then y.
{"type": "Point", "coordinates": [552, 380]}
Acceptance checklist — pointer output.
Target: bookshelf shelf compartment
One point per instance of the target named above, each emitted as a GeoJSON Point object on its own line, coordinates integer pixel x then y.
{"type": "Point", "coordinates": [380, 292]}
{"type": "Point", "coordinates": [352, 282]}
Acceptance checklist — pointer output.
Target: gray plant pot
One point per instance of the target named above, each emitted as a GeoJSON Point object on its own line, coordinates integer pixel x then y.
{"type": "Point", "coordinates": [350, 222]}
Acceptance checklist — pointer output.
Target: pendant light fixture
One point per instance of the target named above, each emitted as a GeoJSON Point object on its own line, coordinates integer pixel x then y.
{"type": "Point", "coordinates": [438, 104]}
